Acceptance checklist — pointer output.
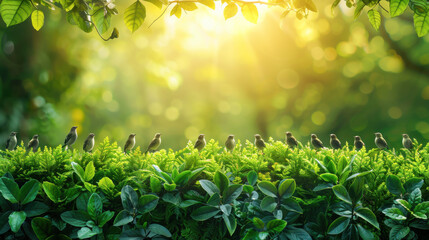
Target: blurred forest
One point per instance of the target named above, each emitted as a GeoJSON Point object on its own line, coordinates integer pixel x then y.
{"type": "Point", "coordinates": [202, 74]}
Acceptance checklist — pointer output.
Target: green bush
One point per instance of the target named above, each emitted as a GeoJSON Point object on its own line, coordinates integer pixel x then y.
{"type": "Point", "coordinates": [280, 193]}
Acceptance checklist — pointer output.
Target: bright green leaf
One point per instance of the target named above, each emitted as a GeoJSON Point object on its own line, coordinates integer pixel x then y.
{"type": "Point", "coordinates": [16, 219]}
{"type": "Point", "coordinates": [250, 12]}
{"type": "Point", "coordinates": [374, 18]}
{"type": "Point", "coordinates": [421, 23]}
{"type": "Point", "coordinates": [15, 11]}
{"type": "Point", "coordinates": [397, 7]}
{"type": "Point", "coordinates": [37, 19]}
{"type": "Point", "coordinates": [134, 16]}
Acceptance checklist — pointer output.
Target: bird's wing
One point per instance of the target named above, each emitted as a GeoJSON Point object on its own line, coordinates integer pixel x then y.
{"type": "Point", "coordinates": [85, 144]}
{"type": "Point", "coordinates": [198, 144]}
{"type": "Point", "coordinates": [152, 144]}
{"type": "Point", "coordinates": [68, 137]}
{"type": "Point", "coordinates": [7, 143]}
{"type": "Point", "coordinates": [127, 144]}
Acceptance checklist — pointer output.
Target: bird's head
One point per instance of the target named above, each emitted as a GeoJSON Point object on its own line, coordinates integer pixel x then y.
{"type": "Point", "coordinates": [201, 137]}
{"type": "Point", "coordinates": [313, 136]}
{"type": "Point", "coordinates": [377, 134]}
{"type": "Point", "coordinates": [13, 134]}
{"type": "Point", "coordinates": [132, 135]}
{"type": "Point", "coordinates": [92, 135]}
{"type": "Point", "coordinates": [405, 135]}
{"type": "Point", "coordinates": [158, 135]}
{"type": "Point", "coordinates": [231, 137]}
{"type": "Point", "coordinates": [288, 134]}
{"type": "Point", "coordinates": [36, 136]}
{"type": "Point", "coordinates": [333, 136]}
{"type": "Point", "coordinates": [73, 128]}
{"type": "Point", "coordinates": [357, 138]}
{"type": "Point", "coordinates": [257, 136]}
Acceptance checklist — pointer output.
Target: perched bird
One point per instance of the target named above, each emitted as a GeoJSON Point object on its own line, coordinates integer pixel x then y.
{"type": "Point", "coordinates": [335, 142]}
{"type": "Point", "coordinates": [200, 143]}
{"type": "Point", "coordinates": [230, 143]}
{"type": "Point", "coordinates": [407, 142]}
{"type": "Point", "coordinates": [380, 142]}
{"type": "Point", "coordinates": [359, 143]}
{"type": "Point", "coordinates": [11, 141]}
{"type": "Point", "coordinates": [291, 140]}
{"type": "Point", "coordinates": [130, 143]}
{"type": "Point", "coordinates": [154, 144]}
{"type": "Point", "coordinates": [259, 142]}
{"type": "Point", "coordinates": [70, 138]}
{"type": "Point", "coordinates": [88, 145]}
{"type": "Point", "coordinates": [33, 143]}
{"type": "Point", "coordinates": [316, 142]}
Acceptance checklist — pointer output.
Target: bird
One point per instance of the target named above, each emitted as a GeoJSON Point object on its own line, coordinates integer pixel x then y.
{"type": "Point", "coordinates": [88, 145]}
{"type": "Point", "coordinates": [70, 138]}
{"type": "Point", "coordinates": [291, 140]}
{"type": "Point", "coordinates": [316, 142]}
{"type": "Point", "coordinates": [154, 144]}
{"type": "Point", "coordinates": [380, 142]}
{"type": "Point", "coordinates": [130, 143]}
{"type": "Point", "coordinates": [33, 143]}
{"type": "Point", "coordinates": [335, 142]}
{"type": "Point", "coordinates": [259, 142]}
{"type": "Point", "coordinates": [359, 144]}
{"type": "Point", "coordinates": [230, 143]}
{"type": "Point", "coordinates": [407, 142]}
{"type": "Point", "coordinates": [200, 143]}
{"type": "Point", "coordinates": [11, 141]}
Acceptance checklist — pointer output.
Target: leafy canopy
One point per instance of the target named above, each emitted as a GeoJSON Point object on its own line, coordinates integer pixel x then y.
{"type": "Point", "coordinates": [97, 14]}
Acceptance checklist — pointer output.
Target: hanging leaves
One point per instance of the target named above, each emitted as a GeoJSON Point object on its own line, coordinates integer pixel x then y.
{"type": "Point", "coordinates": [230, 10]}
{"type": "Point", "coordinates": [134, 16]}
{"type": "Point", "coordinates": [397, 7]}
{"type": "Point", "coordinates": [250, 12]}
{"type": "Point", "coordinates": [374, 18]}
{"type": "Point", "coordinates": [37, 19]}
{"type": "Point", "coordinates": [421, 23]}
{"type": "Point", "coordinates": [15, 11]}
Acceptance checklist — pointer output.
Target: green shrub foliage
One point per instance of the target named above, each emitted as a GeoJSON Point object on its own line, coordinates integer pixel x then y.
{"type": "Point", "coordinates": [280, 193]}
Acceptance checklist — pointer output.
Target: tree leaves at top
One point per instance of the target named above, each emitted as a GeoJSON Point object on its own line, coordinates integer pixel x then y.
{"type": "Point", "coordinates": [250, 12]}
{"type": "Point", "coordinates": [374, 18]}
{"type": "Point", "coordinates": [15, 11]}
{"type": "Point", "coordinates": [397, 7]}
{"type": "Point", "coordinates": [421, 23]}
{"type": "Point", "coordinates": [230, 10]}
{"type": "Point", "coordinates": [134, 16]}
{"type": "Point", "coordinates": [37, 19]}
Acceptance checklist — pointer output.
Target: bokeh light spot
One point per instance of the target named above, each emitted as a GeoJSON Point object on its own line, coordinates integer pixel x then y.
{"type": "Point", "coordinates": [172, 113]}
{"type": "Point", "coordinates": [192, 132]}
{"type": "Point", "coordinates": [318, 118]}
{"type": "Point", "coordinates": [425, 93]}
{"type": "Point", "coordinates": [287, 78]}
{"type": "Point", "coordinates": [395, 112]}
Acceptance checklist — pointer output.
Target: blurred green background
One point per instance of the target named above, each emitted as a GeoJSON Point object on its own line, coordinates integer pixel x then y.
{"type": "Point", "coordinates": [202, 74]}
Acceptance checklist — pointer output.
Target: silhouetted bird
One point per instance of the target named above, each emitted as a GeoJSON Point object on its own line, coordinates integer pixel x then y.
{"type": "Point", "coordinates": [291, 140]}
{"type": "Point", "coordinates": [358, 143]}
{"type": "Point", "coordinates": [259, 142]}
{"type": "Point", "coordinates": [129, 145]}
{"type": "Point", "coordinates": [200, 143]}
{"type": "Point", "coordinates": [316, 142]}
{"type": "Point", "coordinates": [154, 144]}
{"type": "Point", "coordinates": [11, 141]}
{"type": "Point", "coordinates": [335, 142]}
{"type": "Point", "coordinates": [88, 145]}
{"type": "Point", "coordinates": [230, 143]}
{"type": "Point", "coordinates": [380, 142]}
{"type": "Point", "coordinates": [70, 138]}
{"type": "Point", "coordinates": [33, 143]}
{"type": "Point", "coordinates": [407, 142]}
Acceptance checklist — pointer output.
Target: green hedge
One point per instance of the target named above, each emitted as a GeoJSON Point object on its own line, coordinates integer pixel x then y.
{"type": "Point", "coordinates": [280, 193]}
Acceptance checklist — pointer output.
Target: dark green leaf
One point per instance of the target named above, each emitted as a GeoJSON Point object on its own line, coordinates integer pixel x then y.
{"type": "Point", "coordinates": [338, 226]}
{"type": "Point", "coordinates": [122, 218]}
{"type": "Point", "coordinates": [287, 188]}
{"type": "Point", "coordinates": [147, 203]}
{"type": "Point", "coordinates": [129, 198]}
{"type": "Point", "coordinates": [230, 222]}
{"type": "Point", "coordinates": [398, 232]}
{"type": "Point", "coordinates": [204, 213]}
{"type": "Point", "coordinates": [209, 187]}
{"type": "Point", "coordinates": [159, 229]}
{"type": "Point", "coordinates": [341, 192]}
{"type": "Point", "coordinates": [221, 181]}
{"type": "Point", "coordinates": [232, 192]}
{"type": "Point", "coordinates": [276, 225]}
{"type": "Point", "coordinates": [394, 213]}
{"type": "Point", "coordinates": [268, 204]}
{"type": "Point", "coordinates": [292, 205]}
{"type": "Point", "coordinates": [368, 215]}
{"type": "Point", "coordinates": [85, 233]}
{"type": "Point", "coordinates": [412, 184]}
{"type": "Point", "coordinates": [394, 185]}
{"type": "Point", "coordinates": [52, 191]}
{"type": "Point", "coordinates": [268, 188]}
{"type": "Point", "coordinates": [9, 189]}
{"type": "Point", "coordinates": [35, 208]}
{"type": "Point", "coordinates": [41, 227]}
{"type": "Point", "coordinates": [259, 224]}
{"type": "Point", "coordinates": [76, 218]}
{"type": "Point", "coordinates": [95, 206]}
{"type": "Point", "coordinates": [252, 177]}
{"type": "Point", "coordinates": [16, 219]}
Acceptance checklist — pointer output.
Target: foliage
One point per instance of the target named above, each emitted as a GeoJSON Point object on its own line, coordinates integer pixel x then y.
{"type": "Point", "coordinates": [215, 194]}
{"type": "Point", "coordinates": [89, 14]}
